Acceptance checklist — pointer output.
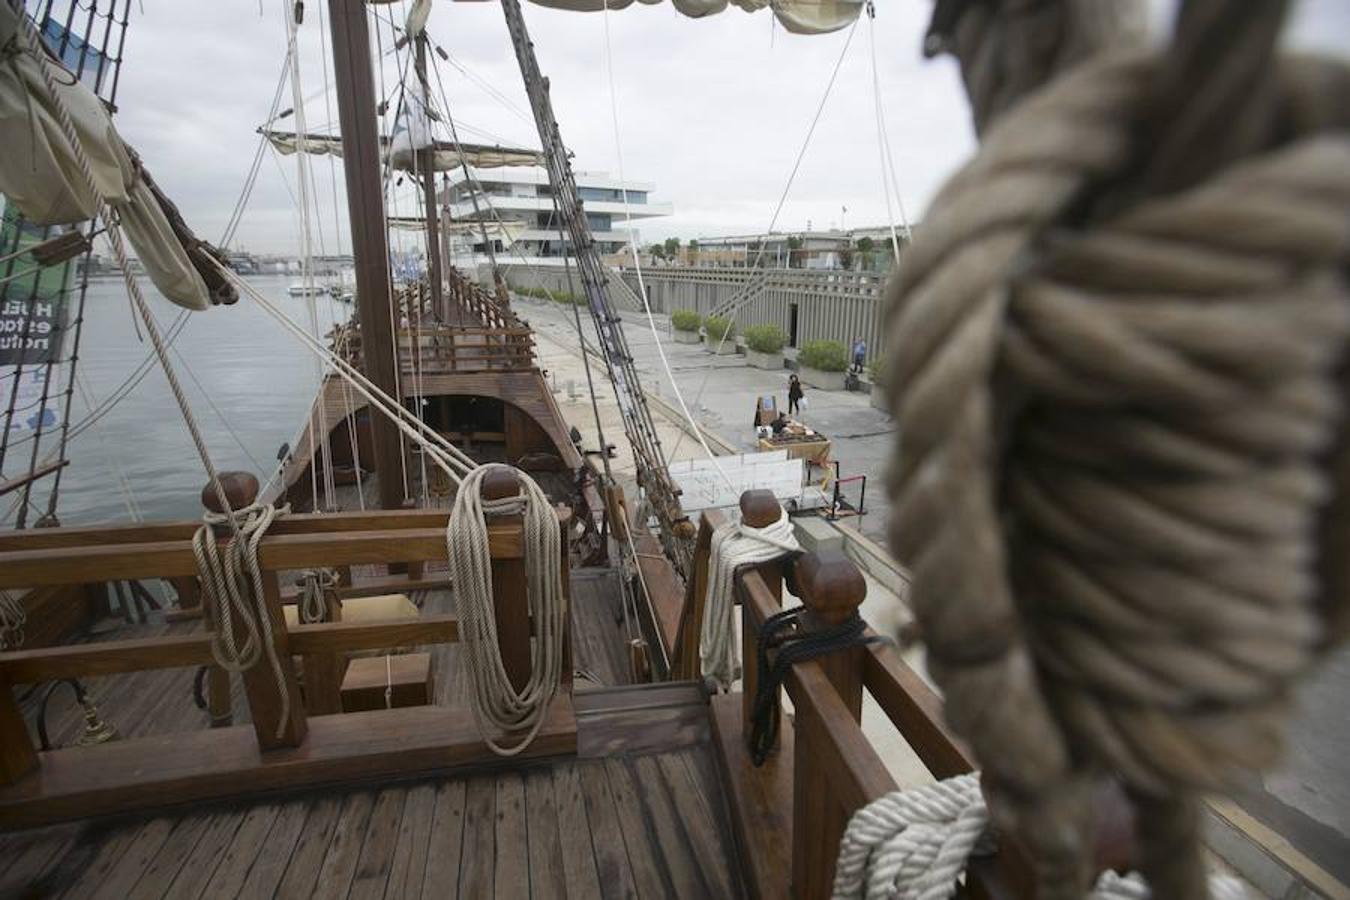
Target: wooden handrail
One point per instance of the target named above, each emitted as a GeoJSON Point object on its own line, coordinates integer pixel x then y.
{"type": "Point", "coordinates": [836, 770]}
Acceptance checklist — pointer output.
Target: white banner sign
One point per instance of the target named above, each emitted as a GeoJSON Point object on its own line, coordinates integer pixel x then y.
{"type": "Point", "coordinates": [702, 486]}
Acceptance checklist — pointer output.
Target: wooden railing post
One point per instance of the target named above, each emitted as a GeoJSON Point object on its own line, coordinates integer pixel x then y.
{"type": "Point", "coordinates": [17, 756]}
{"type": "Point", "coordinates": [510, 588]}
{"type": "Point", "coordinates": [832, 589]}
{"type": "Point", "coordinates": [759, 509]}
{"type": "Point", "coordinates": [260, 681]}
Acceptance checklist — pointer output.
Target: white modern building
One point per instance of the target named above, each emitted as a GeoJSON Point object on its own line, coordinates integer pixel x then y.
{"type": "Point", "coordinates": [521, 199]}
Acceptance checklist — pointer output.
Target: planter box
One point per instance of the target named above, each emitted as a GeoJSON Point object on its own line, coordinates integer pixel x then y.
{"type": "Point", "coordinates": [825, 381]}
{"type": "Point", "coordinates": [879, 400]}
{"type": "Point", "coordinates": [770, 361]}
{"type": "Point", "coordinates": [687, 337]}
{"type": "Point", "coordinates": [726, 347]}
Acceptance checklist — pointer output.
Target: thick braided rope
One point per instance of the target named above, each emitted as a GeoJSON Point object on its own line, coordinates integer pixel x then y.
{"type": "Point", "coordinates": [497, 705]}
{"type": "Point", "coordinates": [734, 545]}
{"type": "Point", "coordinates": [1112, 485]}
{"type": "Point", "coordinates": [233, 584]}
{"type": "Point", "coordinates": [915, 845]}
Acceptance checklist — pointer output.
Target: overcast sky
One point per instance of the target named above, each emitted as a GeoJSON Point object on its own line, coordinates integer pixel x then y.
{"type": "Point", "coordinates": [712, 111]}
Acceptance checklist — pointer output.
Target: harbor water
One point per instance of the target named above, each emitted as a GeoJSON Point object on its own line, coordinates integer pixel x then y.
{"type": "Point", "coordinates": [249, 383]}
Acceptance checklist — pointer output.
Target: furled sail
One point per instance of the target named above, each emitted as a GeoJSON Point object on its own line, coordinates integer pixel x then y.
{"type": "Point", "coordinates": [40, 175]}
{"type": "Point", "coordinates": [447, 154]}
{"type": "Point", "coordinates": [797, 16]}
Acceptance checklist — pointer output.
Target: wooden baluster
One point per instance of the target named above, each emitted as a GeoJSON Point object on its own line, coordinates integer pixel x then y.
{"type": "Point", "coordinates": [758, 510]}
{"type": "Point", "coordinates": [831, 589]}
{"type": "Point", "coordinates": [17, 756]}
{"type": "Point", "coordinates": [510, 588]}
{"type": "Point", "coordinates": [260, 682]}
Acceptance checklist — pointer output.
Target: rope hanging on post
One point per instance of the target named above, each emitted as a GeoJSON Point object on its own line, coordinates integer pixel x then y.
{"type": "Point", "coordinates": [734, 545]}
{"type": "Point", "coordinates": [915, 844]}
{"type": "Point", "coordinates": [315, 587]}
{"type": "Point", "coordinates": [497, 705]}
{"type": "Point", "coordinates": [1123, 475]}
{"type": "Point", "coordinates": [233, 588]}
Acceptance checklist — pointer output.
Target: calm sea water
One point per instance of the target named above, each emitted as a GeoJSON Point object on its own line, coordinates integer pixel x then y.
{"type": "Point", "coordinates": [250, 385]}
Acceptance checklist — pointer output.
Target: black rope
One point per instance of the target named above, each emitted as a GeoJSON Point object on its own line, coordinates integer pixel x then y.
{"type": "Point", "coordinates": [783, 630]}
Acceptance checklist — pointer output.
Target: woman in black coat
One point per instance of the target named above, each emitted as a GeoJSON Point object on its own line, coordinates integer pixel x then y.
{"type": "Point", "coordinates": [794, 395]}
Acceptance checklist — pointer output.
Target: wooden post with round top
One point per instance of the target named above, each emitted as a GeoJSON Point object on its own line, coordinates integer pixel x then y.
{"type": "Point", "coordinates": [241, 490]}
{"type": "Point", "coordinates": [510, 587]}
{"type": "Point", "coordinates": [260, 682]}
{"type": "Point", "coordinates": [759, 509]}
{"type": "Point", "coordinates": [832, 589]}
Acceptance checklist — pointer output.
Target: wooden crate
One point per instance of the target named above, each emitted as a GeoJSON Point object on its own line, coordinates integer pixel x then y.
{"type": "Point", "coordinates": [367, 677]}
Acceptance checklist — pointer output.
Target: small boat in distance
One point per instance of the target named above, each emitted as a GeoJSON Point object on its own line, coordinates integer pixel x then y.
{"type": "Point", "coordinates": [300, 289]}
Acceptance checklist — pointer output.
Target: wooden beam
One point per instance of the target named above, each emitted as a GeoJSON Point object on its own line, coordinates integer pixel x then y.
{"type": "Point", "coordinates": [106, 658]}
{"type": "Point", "coordinates": [73, 565]}
{"type": "Point", "coordinates": [13, 484]}
{"type": "Point", "coordinates": [225, 763]}
{"type": "Point", "coordinates": [295, 523]}
{"type": "Point", "coordinates": [916, 710]}
{"type": "Point", "coordinates": [389, 634]}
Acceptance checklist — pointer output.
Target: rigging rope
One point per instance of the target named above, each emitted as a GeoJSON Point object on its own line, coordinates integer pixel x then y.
{"type": "Point", "coordinates": [915, 844]}
{"type": "Point", "coordinates": [497, 705]}
{"type": "Point", "coordinates": [734, 545]}
{"type": "Point", "coordinates": [315, 587]}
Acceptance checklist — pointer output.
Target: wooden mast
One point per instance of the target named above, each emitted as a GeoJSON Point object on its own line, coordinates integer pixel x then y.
{"type": "Point", "coordinates": [365, 205]}
{"type": "Point", "coordinates": [426, 161]}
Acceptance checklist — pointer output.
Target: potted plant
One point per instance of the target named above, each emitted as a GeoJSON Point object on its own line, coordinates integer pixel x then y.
{"type": "Point", "coordinates": [720, 335]}
{"type": "Point", "coordinates": [685, 322]}
{"type": "Point", "coordinates": [876, 371]}
{"type": "Point", "coordinates": [822, 364]}
{"type": "Point", "coordinates": [764, 345]}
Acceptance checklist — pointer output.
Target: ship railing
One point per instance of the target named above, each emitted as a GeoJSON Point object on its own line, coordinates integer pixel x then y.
{"type": "Point", "coordinates": [316, 744]}
{"type": "Point", "coordinates": [445, 349]}
{"type": "Point", "coordinates": [790, 812]}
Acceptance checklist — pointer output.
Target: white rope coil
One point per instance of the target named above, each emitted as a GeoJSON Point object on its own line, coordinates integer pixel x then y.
{"type": "Point", "coordinates": [233, 586]}
{"type": "Point", "coordinates": [497, 705]}
{"type": "Point", "coordinates": [734, 545]}
{"type": "Point", "coordinates": [915, 844]}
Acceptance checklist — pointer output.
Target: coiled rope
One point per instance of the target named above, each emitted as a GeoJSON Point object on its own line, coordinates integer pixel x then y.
{"type": "Point", "coordinates": [782, 631]}
{"type": "Point", "coordinates": [315, 586]}
{"type": "Point", "coordinates": [233, 586]}
{"type": "Point", "coordinates": [915, 845]}
{"type": "Point", "coordinates": [734, 545]}
{"type": "Point", "coordinates": [1123, 469]}
{"type": "Point", "coordinates": [496, 702]}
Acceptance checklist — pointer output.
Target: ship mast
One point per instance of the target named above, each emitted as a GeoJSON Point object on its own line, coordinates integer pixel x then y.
{"type": "Point", "coordinates": [365, 206]}
{"type": "Point", "coordinates": [426, 158]}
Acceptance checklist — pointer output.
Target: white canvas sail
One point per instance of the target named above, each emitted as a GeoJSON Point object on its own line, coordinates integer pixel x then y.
{"type": "Point", "coordinates": [797, 16]}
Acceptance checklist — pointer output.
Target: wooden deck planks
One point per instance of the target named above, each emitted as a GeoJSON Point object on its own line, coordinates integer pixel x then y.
{"type": "Point", "coordinates": [169, 860]}
{"type": "Point", "coordinates": [445, 843]}
{"type": "Point", "coordinates": [548, 878]}
{"type": "Point", "coordinates": [575, 832]}
{"type": "Point", "coordinates": [511, 876]}
{"type": "Point", "coordinates": [410, 853]}
{"type": "Point", "coordinates": [477, 867]}
{"type": "Point", "coordinates": [377, 853]}
{"type": "Point", "coordinates": [344, 852]}
{"type": "Point", "coordinates": [302, 869]}
{"type": "Point", "coordinates": [617, 879]}
{"type": "Point", "coordinates": [134, 861]}
{"type": "Point", "coordinates": [269, 867]}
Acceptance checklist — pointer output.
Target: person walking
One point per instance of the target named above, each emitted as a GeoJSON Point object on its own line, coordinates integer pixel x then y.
{"type": "Point", "coordinates": [794, 395]}
{"type": "Point", "coordinates": [859, 355]}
